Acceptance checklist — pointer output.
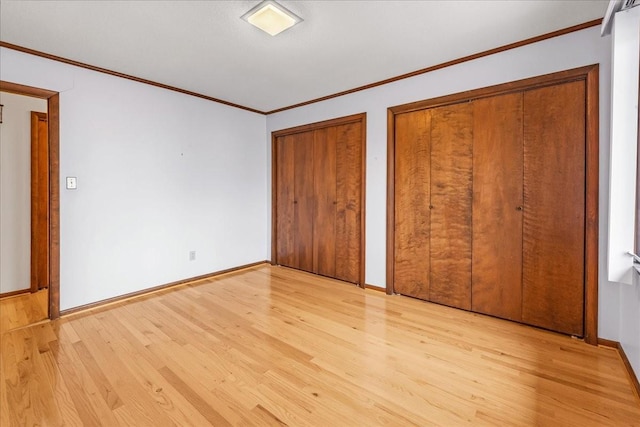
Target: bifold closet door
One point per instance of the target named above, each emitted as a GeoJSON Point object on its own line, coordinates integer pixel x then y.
{"type": "Point", "coordinates": [494, 202]}
{"type": "Point", "coordinates": [554, 207]}
{"type": "Point", "coordinates": [295, 200]}
{"type": "Point", "coordinates": [498, 206]}
{"type": "Point", "coordinates": [304, 202]}
{"type": "Point", "coordinates": [324, 220]}
{"type": "Point", "coordinates": [318, 184]}
{"type": "Point", "coordinates": [337, 183]}
{"type": "Point", "coordinates": [412, 199]}
{"type": "Point", "coordinates": [285, 244]}
{"type": "Point", "coordinates": [451, 192]}
{"type": "Point", "coordinates": [433, 162]}
{"type": "Point", "coordinates": [348, 190]}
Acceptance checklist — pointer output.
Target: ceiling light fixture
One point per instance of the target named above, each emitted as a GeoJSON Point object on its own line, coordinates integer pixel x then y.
{"type": "Point", "coordinates": [271, 17]}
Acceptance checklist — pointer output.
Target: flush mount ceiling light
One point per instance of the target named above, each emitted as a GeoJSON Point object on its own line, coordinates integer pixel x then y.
{"type": "Point", "coordinates": [271, 17]}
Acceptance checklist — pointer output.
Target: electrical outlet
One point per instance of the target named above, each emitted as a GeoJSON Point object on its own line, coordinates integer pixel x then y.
{"type": "Point", "coordinates": [192, 255]}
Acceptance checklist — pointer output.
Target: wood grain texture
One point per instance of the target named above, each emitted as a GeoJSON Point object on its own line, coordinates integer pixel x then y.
{"type": "Point", "coordinates": [328, 184]}
{"type": "Point", "coordinates": [412, 187]}
{"type": "Point", "coordinates": [18, 311]}
{"type": "Point", "coordinates": [275, 346]}
{"type": "Point", "coordinates": [39, 201]}
{"type": "Point", "coordinates": [348, 239]}
{"type": "Point", "coordinates": [633, 378]}
{"type": "Point", "coordinates": [324, 219]}
{"type": "Point", "coordinates": [497, 206]}
{"type": "Point", "coordinates": [390, 258]}
{"type": "Point", "coordinates": [451, 198]}
{"type": "Point", "coordinates": [551, 79]}
{"type": "Point", "coordinates": [274, 200]}
{"type": "Point", "coordinates": [623, 355]}
{"type": "Point", "coordinates": [20, 89]}
{"type": "Point", "coordinates": [554, 207]}
{"type": "Point", "coordinates": [588, 75]}
{"type": "Point", "coordinates": [284, 213]}
{"type": "Point", "coordinates": [14, 293]}
{"type": "Point", "coordinates": [363, 201]}
{"type": "Point", "coordinates": [360, 117]}
{"type": "Point", "coordinates": [304, 201]}
{"type": "Point", "coordinates": [166, 287]}
{"type": "Point", "coordinates": [53, 115]}
{"type": "Point", "coordinates": [591, 209]}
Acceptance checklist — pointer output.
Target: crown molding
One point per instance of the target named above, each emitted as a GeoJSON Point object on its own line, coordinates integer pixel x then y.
{"type": "Point", "coordinates": [122, 75]}
{"type": "Point", "coordinates": [448, 63]}
{"type": "Point", "coordinates": [515, 45]}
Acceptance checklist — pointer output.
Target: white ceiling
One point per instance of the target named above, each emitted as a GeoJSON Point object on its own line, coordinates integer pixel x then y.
{"type": "Point", "coordinates": [204, 46]}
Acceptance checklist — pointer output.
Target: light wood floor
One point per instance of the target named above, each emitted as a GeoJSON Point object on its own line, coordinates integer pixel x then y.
{"type": "Point", "coordinates": [23, 310]}
{"type": "Point", "coordinates": [272, 346]}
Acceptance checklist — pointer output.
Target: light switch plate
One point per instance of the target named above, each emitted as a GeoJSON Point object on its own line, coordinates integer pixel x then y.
{"type": "Point", "coordinates": [72, 183]}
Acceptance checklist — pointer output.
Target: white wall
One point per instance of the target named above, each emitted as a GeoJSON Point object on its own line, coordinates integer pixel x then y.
{"type": "Point", "coordinates": [159, 174]}
{"type": "Point", "coordinates": [624, 141]}
{"type": "Point", "coordinates": [573, 50]}
{"type": "Point", "coordinates": [15, 190]}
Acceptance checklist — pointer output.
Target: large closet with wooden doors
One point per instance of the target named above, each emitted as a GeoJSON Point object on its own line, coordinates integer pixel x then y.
{"type": "Point", "coordinates": [318, 190]}
{"type": "Point", "coordinates": [493, 201]}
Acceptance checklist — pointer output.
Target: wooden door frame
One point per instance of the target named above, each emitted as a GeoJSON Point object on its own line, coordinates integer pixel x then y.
{"type": "Point", "coordinates": [38, 195]}
{"type": "Point", "coordinates": [362, 118]}
{"type": "Point", "coordinates": [53, 113]}
{"type": "Point", "coordinates": [590, 75]}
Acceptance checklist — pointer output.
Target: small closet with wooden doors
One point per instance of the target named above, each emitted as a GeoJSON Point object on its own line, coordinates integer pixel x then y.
{"type": "Point", "coordinates": [318, 190]}
{"type": "Point", "coordinates": [493, 201]}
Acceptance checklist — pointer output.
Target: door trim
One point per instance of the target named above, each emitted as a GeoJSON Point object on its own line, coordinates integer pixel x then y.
{"type": "Point", "coordinates": [39, 196]}
{"type": "Point", "coordinates": [362, 118]}
{"type": "Point", "coordinates": [588, 74]}
{"type": "Point", "coordinates": [53, 112]}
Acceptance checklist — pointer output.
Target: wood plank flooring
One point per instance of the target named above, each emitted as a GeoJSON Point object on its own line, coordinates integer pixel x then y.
{"type": "Point", "coordinates": [273, 346]}
{"type": "Point", "coordinates": [22, 310]}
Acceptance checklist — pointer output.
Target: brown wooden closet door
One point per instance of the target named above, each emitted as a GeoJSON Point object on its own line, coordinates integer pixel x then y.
{"type": "Point", "coordinates": [348, 201]}
{"type": "Point", "coordinates": [318, 174]}
{"type": "Point", "coordinates": [304, 201]}
{"type": "Point", "coordinates": [295, 201]}
{"type": "Point", "coordinates": [497, 206]}
{"type": "Point", "coordinates": [451, 185]}
{"type": "Point", "coordinates": [324, 221]}
{"type": "Point", "coordinates": [554, 203]}
{"type": "Point", "coordinates": [412, 197]}
{"type": "Point", "coordinates": [285, 242]}
{"type": "Point", "coordinates": [451, 188]}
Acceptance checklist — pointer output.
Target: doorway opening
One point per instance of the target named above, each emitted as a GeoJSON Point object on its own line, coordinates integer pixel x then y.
{"type": "Point", "coordinates": [46, 223]}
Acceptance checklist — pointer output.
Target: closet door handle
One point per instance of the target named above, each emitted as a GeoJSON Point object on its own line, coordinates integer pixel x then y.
{"type": "Point", "coordinates": [295, 202]}
{"type": "Point", "coordinates": [431, 206]}
{"type": "Point", "coordinates": [519, 208]}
